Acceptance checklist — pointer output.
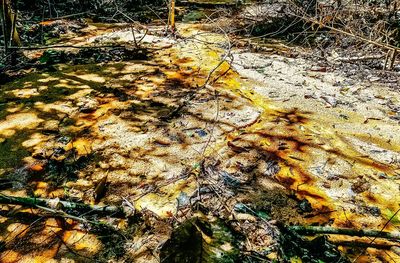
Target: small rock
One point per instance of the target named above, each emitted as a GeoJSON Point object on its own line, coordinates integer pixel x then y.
{"type": "Point", "coordinates": [162, 141]}
{"type": "Point", "coordinates": [201, 132]}
{"type": "Point", "coordinates": [361, 185]}
{"type": "Point", "coordinates": [318, 69]}
{"type": "Point", "coordinates": [183, 200]}
{"type": "Point", "coordinates": [309, 96]}
{"type": "Point", "coordinates": [88, 105]}
{"type": "Point", "coordinates": [305, 206]}
{"type": "Point", "coordinates": [52, 126]}
{"type": "Point", "coordinates": [247, 217]}
{"type": "Point", "coordinates": [372, 210]}
{"type": "Point", "coordinates": [374, 79]}
{"type": "Point", "coordinates": [128, 207]}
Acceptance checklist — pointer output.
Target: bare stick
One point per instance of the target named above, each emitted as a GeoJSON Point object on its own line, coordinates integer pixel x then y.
{"type": "Point", "coordinates": [66, 46]}
{"type": "Point", "coordinates": [350, 59]}
{"type": "Point", "coordinates": [172, 10]}
{"type": "Point", "coordinates": [312, 230]}
{"type": "Point", "coordinates": [61, 205]}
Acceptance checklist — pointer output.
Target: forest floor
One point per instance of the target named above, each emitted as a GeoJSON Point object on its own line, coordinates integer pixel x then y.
{"type": "Point", "coordinates": [194, 126]}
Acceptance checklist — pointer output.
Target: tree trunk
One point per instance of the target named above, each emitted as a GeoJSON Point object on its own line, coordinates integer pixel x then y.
{"type": "Point", "coordinates": [10, 33]}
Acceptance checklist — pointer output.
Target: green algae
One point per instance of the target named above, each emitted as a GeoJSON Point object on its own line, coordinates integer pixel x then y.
{"type": "Point", "coordinates": [12, 152]}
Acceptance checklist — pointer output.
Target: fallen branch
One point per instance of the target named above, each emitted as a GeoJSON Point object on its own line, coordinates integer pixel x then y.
{"type": "Point", "coordinates": [208, 4]}
{"type": "Point", "coordinates": [313, 230]}
{"type": "Point", "coordinates": [351, 59]}
{"type": "Point", "coordinates": [65, 46]}
{"type": "Point", "coordinates": [56, 205]}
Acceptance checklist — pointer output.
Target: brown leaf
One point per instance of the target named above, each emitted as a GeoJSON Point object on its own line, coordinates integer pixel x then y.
{"type": "Point", "coordinates": [101, 189]}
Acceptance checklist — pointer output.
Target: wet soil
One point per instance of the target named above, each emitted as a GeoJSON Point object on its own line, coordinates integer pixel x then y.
{"type": "Point", "coordinates": [195, 126]}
